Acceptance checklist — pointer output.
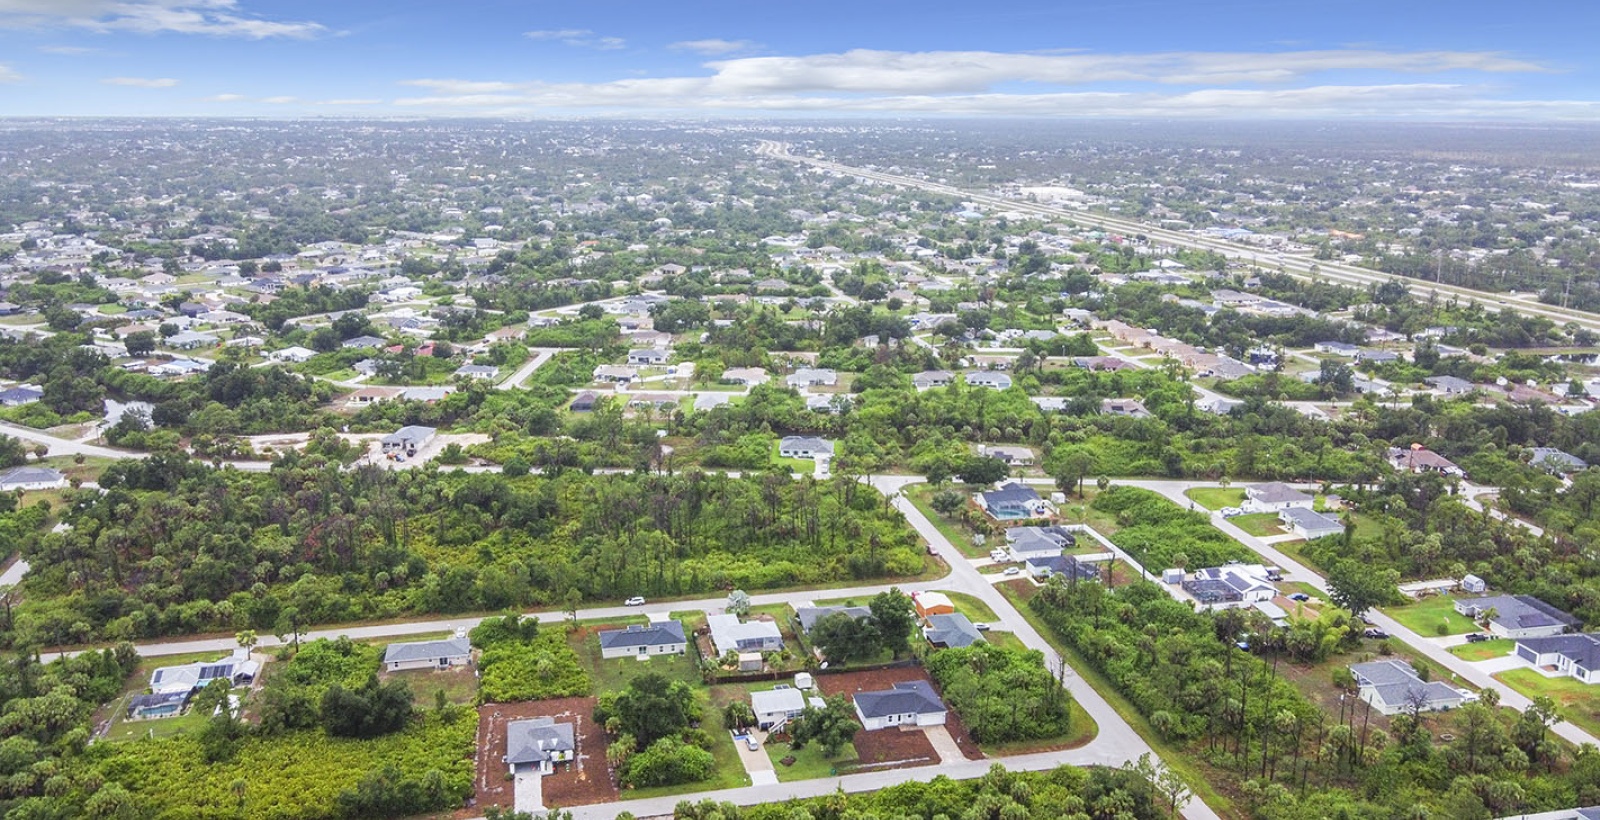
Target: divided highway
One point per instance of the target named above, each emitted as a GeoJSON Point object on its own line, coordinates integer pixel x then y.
{"type": "Point", "coordinates": [1300, 266]}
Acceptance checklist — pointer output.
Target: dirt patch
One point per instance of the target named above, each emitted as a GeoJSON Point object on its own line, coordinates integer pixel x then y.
{"type": "Point", "coordinates": [882, 748]}
{"type": "Point", "coordinates": [586, 780]}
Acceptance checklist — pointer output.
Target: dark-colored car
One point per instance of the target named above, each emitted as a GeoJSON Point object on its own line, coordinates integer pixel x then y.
{"type": "Point", "coordinates": [1477, 637]}
{"type": "Point", "coordinates": [1376, 633]}
{"type": "Point", "coordinates": [1299, 596]}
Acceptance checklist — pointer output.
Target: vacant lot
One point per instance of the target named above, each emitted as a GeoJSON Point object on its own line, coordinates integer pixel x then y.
{"type": "Point", "coordinates": [587, 779]}
{"type": "Point", "coordinates": [1575, 701]}
{"type": "Point", "coordinates": [1426, 616]}
{"type": "Point", "coordinates": [1215, 498]}
{"type": "Point", "coordinates": [459, 684]}
{"type": "Point", "coordinates": [1260, 525]}
{"type": "Point", "coordinates": [976, 611]}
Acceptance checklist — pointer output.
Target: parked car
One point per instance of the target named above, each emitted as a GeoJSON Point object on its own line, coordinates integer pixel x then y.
{"type": "Point", "coordinates": [1477, 637]}
{"type": "Point", "coordinates": [1012, 571]}
{"type": "Point", "coordinates": [1376, 633]}
{"type": "Point", "coordinates": [636, 600]}
{"type": "Point", "coordinates": [1229, 512]}
{"type": "Point", "coordinates": [750, 740]}
{"type": "Point", "coordinates": [1299, 596]}
{"type": "Point", "coordinates": [981, 627]}
{"type": "Point", "coordinates": [997, 555]}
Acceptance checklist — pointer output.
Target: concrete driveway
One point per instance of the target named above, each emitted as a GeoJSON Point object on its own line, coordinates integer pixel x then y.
{"type": "Point", "coordinates": [528, 789]}
{"type": "Point", "coordinates": [944, 744]}
{"type": "Point", "coordinates": [757, 763]}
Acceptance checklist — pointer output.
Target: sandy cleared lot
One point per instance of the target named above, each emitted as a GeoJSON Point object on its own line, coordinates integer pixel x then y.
{"type": "Point", "coordinates": [585, 780]}
{"type": "Point", "coordinates": [893, 748]}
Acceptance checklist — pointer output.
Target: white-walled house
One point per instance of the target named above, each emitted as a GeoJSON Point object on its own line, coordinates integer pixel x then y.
{"type": "Point", "coordinates": [660, 638]}
{"type": "Point", "coordinates": [912, 703]}
{"type": "Point", "coordinates": [427, 654]}
{"type": "Point", "coordinates": [804, 447]}
{"type": "Point", "coordinates": [1576, 656]}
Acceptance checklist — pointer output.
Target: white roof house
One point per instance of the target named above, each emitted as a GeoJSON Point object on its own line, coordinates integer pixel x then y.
{"type": "Point", "coordinates": [31, 478]}
{"type": "Point", "coordinates": [729, 634]}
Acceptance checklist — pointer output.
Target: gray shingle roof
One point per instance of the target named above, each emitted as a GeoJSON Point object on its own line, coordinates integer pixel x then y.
{"type": "Point", "coordinates": [534, 741]}
{"type": "Point", "coordinates": [912, 697]}
{"type": "Point", "coordinates": [635, 635]}
{"type": "Point", "coordinates": [427, 650]}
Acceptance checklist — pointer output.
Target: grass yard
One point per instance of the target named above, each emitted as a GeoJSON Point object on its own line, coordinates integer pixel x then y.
{"type": "Point", "coordinates": [123, 729]}
{"type": "Point", "coordinates": [1007, 640]}
{"type": "Point", "coordinates": [802, 466]}
{"type": "Point", "coordinates": [1483, 650]}
{"type": "Point", "coordinates": [919, 495]}
{"type": "Point", "coordinates": [1215, 498]}
{"type": "Point", "coordinates": [809, 764]}
{"type": "Point", "coordinates": [1425, 616]}
{"type": "Point", "coordinates": [975, 610]}
{"type": "Point", "coordinates": [1575, 701]}
{"type": "Point", "coordinates": [1260, 525]}
{"type": "Point", "coordinates": [460, 685]}
{"type": "Point", "coordinates": [612, 674]}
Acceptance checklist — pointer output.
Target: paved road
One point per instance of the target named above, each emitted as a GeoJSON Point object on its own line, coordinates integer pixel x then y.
{"type": "Point", "coordinates": [541, 355]}
{"type": "Point", "coordinates": [1295, 571]}
{"type": "Point", "coordinates": [65, 447]}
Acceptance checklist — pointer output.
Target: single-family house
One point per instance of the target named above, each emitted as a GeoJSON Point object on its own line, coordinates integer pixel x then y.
{"type": "Point", "coordinates": [1275, 496]}
{"type": "Point", "coordinates": [931, 603]}
{"type": "Point", "coordinates": [477, 371]}
{"type": "Point", "coordinates": [237, 669]}
{"type": "Point", "coordinates": [635, 641]}
{"type": "Point", "coordinates": [928, 379]}
{"type": "Point", "coordinates": [295, 354]}
{"type": "Point", "coordinates": [178, 368]}
{"type": "Point", "coordinates": [1369, 355]}
{"type": "Point", "coordinates": [443, 654]}
{"type": "Point", "coordinates": [1393, 687]}
{"type": "Point", "coordinates": [29, 477]}
{"type": "Point", "coordinates": [1310, 524]}
{"type": "Point", "coordinates": [951, 631]}
{"type": "Point", "coordinates": [426, 394]}
{"type": "Point", "coordinates": [804, 447]}
{"type": "Point", "coordinates": [1231, 586]}
{"type": "Point", "coordinates": [649, 357]}
{"type": "Point", "coordinates": [989, 379]}
{"type": "Point", "coordinates": [912, 703]}
{"type": "Point", "coordinates": [1577, 656]}
{"type": "Point", "coordinates": [615, 374]}
{"type": "Point", "coordinates": [159, 705]}
{"type": "Point", "coordinates": [729, 634]}
{"type": "Point", "coordinates": [808, 616]}
{"type": "Point", "coordinates": [812, 377]}
{"type": "Point", "coordinates": [775, 707]}
{"type": "Point", "coordinates": [190, 340]}
{"type": "Point", "coordinates": [1336, 349]}
{"type": "Point", "coordinates": [363, 341]}
{"type": "Point", "coordinates": [748, 376]}
{"type": "Point", "coordinates": [1045, 567]}
{"type": "Point", "coordinates": [537, 745]}
{"type": "Point", "coordinates": [1556, 462]}
{"type": "Point", "coordinates": [1419, 459]}
{"type": "Point", "coordinates": [1218, 405]}
{"type": "Point", "coordinates": [1012, 454]}
{"type": "Point", "coordinates": [1450, 385]}
{"type": "Point", "coordinates": [408, 439]}
{"type": "Point", "coordinates": [584, 403]}
{"type": "Point", "coordinates": [20, 395]}
{"type": "Point", "coordinates": [373, 395]}
{"type": "Point", "coordinates": [1030, 542]}
{"type": "Point", "coordinates": [1517, 616]}
{"type": "Point", "coordinates": [1011, 501]}
{"type": "Point", "coordinates": [1132, 408]}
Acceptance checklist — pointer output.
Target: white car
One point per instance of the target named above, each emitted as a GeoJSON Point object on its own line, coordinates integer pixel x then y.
{"type": "Point", "coordinates": [1012, 571]}
{"type": "Point", "coordinates": [636, 600]}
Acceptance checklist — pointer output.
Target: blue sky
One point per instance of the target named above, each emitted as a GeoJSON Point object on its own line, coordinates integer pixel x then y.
{"type": "Point", "coordinates": [1233, 59]}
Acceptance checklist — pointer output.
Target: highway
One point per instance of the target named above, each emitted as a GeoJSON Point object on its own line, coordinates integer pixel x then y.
{"type": "Point", "coordinates": [1303, 267]}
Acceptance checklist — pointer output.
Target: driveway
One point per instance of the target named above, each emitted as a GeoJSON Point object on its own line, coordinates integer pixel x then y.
{"type": "Point", "coordinates": [529, 791]}
{"type": "Point", "coordinates": [1503, 663]}
{"type": "Point", "coordinates": [944, 745]}
{"type": "Point", "coordinates": [757, 763]}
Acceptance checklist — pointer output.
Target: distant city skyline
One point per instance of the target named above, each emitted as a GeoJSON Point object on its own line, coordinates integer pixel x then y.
{"type": "Point", "coordinates": [1239, 59]}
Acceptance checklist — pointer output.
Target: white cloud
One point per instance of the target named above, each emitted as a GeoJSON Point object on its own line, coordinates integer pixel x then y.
{"type": "Point", "coordinates": [280, 100]}
{"type": "Point", "coordinates": [225, 98]}
{"type": "Point", "coordinates": [141, 82]}
{"type": "Point", "coordinates": [218, 18]}
{"type": "Point", "coordinates": [9, 74]}
{"type": "Point", "coordinates": [1157, 84]}
{"type": "Point", "coordinates": [713, 47]}
{"type": "Point", "coordinates": [580, 37]}
{"type": "Point", "coordinates": [68, 51]}
{"type": "Point", "coordinates": [349, 102]}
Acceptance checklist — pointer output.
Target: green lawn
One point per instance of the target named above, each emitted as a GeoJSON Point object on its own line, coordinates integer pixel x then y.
{"type": "Point", "coordinates": [1215, 498]}
{"type": "Point", "coordinates": [1425, 616]}
{"type": "Point", "coordinates": [802, 466]}
{"type": "Point", "coordinates": [809, 763]}
{"type": "Point", "coordinates": [1260, 525]}
{"type": "Point", "coordinates": [1575, 701]}
{"type": "Point", "coordinates": [1005, 640]}
{"type": "Point", "coordinates": [976, 611]}
{"type": "Point", "coordinates": [460, 686]}
{"type": "Point", "coordinates": [1483, 650]}
{"type": "Point", "coordinates": [612, 674]}
{"type": "Point", "coordinates": [919, 495]}
{"type": "Point", "coordinates": [124, 729]}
